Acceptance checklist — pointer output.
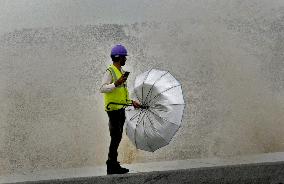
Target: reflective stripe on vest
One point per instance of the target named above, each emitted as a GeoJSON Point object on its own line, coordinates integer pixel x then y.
{"type": "Point", "coordinates": [119, 94]}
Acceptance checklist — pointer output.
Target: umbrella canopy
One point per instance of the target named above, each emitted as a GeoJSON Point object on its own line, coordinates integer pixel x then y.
{"type": "Point", "coordinates": [153, 126]}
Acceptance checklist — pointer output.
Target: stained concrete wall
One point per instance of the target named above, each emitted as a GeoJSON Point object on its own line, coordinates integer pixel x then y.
{"type": "Point", "coordinates": [228, 56]}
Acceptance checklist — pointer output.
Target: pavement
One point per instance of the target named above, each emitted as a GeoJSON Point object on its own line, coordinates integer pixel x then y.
{"type": "Point", "coordinates": [261, 168]}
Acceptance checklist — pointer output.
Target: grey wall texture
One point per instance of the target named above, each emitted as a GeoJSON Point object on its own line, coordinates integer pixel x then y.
{"type": "Point", "coordinates": [228, 55]}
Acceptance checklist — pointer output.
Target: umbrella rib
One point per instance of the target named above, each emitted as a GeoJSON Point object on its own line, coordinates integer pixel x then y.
{"type": "Point", "coordinates": [172, 123]}
{"type": "Point", "coordinates": [147, 136]}
{"type": "Point", "coordinates": [154, 85]}
{"type": "Point", "coordinates": [138, 122]}
{"type": "Point", "coordinates": [163, 92]}
{"type": "Point", "coordinates": [161, 117]}
{"type": "Point", "coordinates": [143, 84]}
{"type": "Point", "coordinates": [156, 130]}
{"type": "Point", "coordinates": [136, 128]}
{"type": "Point", "coordinates": [169, 122]}
{"type": "Point", "coordinates": [169, 105]}
{"type": "Point", "coordinates": [135, 115]}
{"type": "Point", "coordinates": [152, 124]}
{"type": "Point", "coordinates": [135, 91]}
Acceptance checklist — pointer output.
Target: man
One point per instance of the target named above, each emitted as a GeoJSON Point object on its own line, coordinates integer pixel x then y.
{"type": "Point", "coordinates": [116, 93]}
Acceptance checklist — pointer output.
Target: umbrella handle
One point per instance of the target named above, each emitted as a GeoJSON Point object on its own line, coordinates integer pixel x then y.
{"type": "Point", "coordinates": [142, 106]}
{"type": "Point", "coordinates": [116, 104]}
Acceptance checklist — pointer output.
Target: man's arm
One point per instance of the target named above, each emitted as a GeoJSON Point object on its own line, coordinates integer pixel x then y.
{"type": "Point", "coordinates": [107, 85]}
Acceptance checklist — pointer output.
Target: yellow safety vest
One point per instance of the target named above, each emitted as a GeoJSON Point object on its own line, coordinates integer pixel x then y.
{"type": "Point", "coordinates": [119, 94]}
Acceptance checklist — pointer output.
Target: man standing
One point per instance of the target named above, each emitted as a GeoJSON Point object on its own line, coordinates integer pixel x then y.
{"type": "Point", "coordinates": [115, 93]}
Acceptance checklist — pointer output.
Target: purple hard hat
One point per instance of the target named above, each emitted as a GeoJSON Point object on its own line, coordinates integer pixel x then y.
{"type": "Point", "coordinates": [118, 50]}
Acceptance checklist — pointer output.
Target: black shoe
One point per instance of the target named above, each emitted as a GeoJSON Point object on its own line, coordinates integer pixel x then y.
{"type": "Point", "coordinates": [115, 168]}
{"type": "Point", "coordinates": [122, 168]}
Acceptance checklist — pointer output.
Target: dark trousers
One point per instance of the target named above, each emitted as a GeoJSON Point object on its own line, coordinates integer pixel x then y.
{"type": "Point", "coordinates": [116, 122]}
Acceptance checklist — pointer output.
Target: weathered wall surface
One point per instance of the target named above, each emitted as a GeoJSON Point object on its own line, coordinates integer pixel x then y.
{"type": "Point", "coordinates": [228, 56]}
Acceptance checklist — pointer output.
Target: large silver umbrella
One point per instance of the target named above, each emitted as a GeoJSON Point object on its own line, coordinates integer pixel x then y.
{"type": "Point", "coordinates": [154, 125]}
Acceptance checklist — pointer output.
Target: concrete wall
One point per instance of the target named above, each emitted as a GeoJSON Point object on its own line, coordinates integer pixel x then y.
{"type": "Point", "coordinates": [228, 56]}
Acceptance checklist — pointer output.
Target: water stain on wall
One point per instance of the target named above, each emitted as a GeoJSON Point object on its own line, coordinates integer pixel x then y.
{"type": "Point", "coordinates": [229, 65]}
